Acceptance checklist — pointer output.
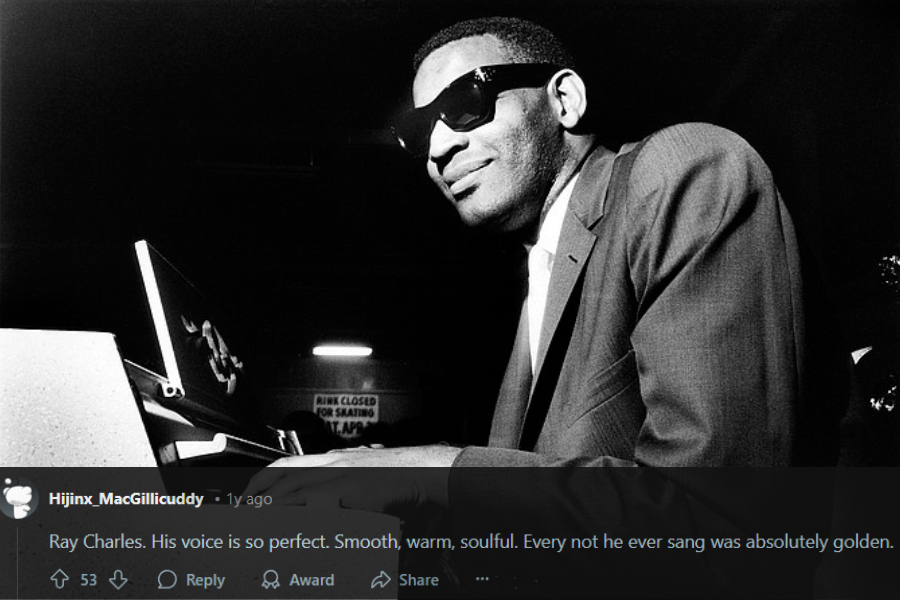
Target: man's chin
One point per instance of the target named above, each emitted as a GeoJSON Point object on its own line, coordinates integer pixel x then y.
{"type": "Point", "coordinates": [485, 223]}
{"type": "Point", "coordinates": [491, 215]}
{"type": "Point", "coordinates": [470, 215]}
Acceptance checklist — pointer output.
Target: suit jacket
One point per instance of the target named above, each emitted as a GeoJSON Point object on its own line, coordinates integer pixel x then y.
{"type": "Point", "coordinates": [682, 329]}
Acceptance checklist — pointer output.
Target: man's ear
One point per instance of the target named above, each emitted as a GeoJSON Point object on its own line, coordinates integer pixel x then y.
{"type": "Point", "coordinates": [568, 97]}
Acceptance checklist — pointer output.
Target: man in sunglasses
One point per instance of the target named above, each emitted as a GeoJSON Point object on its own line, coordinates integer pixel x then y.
{"type": "Point", "coordinates": [669, 322]}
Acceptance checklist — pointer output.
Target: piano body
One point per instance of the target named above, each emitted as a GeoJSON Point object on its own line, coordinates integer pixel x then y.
{"type": "Point", "coordinates": [68, 398]}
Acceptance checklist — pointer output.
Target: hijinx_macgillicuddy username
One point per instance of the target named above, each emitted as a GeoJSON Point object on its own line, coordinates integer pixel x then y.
{"type": "Point", "coordinates": [67, 499]}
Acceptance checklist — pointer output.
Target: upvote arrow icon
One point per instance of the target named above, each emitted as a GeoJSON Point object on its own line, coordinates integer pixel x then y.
{"type": "Point", "coordinates": [59, 578]}
{"type": "Point", "coordinates": [118, 579]}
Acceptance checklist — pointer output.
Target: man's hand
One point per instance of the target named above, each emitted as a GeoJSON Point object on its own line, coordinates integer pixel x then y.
{"type": "Point", "coordinates": [388, 489]}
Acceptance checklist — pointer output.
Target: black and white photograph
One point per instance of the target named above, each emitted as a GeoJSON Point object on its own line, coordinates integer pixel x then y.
{"type": "Point", "coordinates": [517, 267]}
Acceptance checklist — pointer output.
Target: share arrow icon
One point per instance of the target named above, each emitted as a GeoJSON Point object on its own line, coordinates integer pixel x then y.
{"type": "Point", "coordinates": [381, 580]}
{"type": "Point", "coordinates": [59, 578]}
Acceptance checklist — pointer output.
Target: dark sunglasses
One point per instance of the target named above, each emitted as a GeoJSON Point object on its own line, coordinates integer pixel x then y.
{"type": "Point", "coordinates": [468, 102]}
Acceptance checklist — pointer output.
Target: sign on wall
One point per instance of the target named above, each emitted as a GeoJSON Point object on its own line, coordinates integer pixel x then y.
{"type": "Point", "coordinates": [347, 414]}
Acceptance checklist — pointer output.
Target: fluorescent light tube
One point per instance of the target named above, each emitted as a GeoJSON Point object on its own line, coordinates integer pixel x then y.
{"type": "Point", "coordinates": [342, 351]}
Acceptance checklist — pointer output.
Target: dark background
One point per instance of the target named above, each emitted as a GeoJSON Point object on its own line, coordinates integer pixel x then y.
{"type": "Point", "coordinates": [249, 142]}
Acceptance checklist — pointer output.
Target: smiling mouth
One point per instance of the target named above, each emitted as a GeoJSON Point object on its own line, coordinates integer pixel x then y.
{"type": "Point", "coordinates": [464, 186]}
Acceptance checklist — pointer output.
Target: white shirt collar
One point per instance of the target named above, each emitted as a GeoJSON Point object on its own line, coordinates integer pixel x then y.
{"type": "Point", "coordinates": [540, 265]}
{"type": "Point", "coordinates": [551, 228]}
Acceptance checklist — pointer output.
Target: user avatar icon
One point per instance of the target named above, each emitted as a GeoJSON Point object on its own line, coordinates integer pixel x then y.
{"type": "Point", "coordinates": [19, 498]}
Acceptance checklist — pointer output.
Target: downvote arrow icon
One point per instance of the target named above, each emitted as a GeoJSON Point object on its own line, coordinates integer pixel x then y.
{"type": "Point", "coordinates": [118, 579]}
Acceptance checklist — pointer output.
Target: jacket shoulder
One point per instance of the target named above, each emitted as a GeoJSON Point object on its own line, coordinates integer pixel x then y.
{"type": "Point", "coordinates": [694, 151]}
{"type": "Point", "coordinates": [694, 144]}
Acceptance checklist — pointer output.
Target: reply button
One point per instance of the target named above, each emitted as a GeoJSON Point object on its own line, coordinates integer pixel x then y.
{"type": "Point", "coordinates": [205, 582]}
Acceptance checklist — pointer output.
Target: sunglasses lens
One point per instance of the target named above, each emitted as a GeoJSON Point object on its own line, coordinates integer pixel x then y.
{"type": "Point", "coordinates": [413, 130]}
{"type": "Point", "coordinates": [464, 108]}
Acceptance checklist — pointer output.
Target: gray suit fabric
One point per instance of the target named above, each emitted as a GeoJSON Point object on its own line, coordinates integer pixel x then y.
{"type": "Point", "coordinates": [677, 329]}
{"type": "Point", "coordinates": [683, 329]}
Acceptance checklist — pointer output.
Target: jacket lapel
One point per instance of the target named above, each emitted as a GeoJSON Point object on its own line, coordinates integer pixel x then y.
{"type": "Point", "coordinates": [576, 243]}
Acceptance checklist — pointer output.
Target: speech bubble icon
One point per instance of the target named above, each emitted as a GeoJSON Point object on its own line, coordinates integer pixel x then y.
{"type": "Point", "coordinates": [167, 579]}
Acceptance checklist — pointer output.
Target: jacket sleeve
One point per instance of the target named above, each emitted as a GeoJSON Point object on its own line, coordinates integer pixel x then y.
{"type": "Point", "coordinates": [719, 331]}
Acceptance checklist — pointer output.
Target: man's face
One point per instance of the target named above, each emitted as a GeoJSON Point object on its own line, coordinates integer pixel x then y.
{"type": "Point", "coordinates": [497, 175]}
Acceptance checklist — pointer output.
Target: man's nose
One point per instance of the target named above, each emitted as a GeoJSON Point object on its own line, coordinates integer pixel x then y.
{"type": "Point", "coordinates": [445, 142]}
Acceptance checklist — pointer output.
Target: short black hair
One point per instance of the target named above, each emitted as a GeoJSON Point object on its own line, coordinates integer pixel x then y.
{"type": "Point", "coordinates": [525, 41]}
